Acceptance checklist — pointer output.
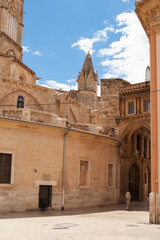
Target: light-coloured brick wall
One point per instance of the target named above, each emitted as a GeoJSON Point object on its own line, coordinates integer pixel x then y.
{"type": "Point", "coordinates": [41, 149]}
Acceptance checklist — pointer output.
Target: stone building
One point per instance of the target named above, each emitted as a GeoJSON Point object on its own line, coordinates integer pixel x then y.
{"type": "Point", "coordinates": [148, 12]}
{"type": "Point", "coordinates": [79, 150]}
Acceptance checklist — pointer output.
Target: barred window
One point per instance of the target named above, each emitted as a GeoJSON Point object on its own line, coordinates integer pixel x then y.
{"type": "Point", "coordinates": [5, 168]}
{"type": "Point", "coordinates": [11, 26]}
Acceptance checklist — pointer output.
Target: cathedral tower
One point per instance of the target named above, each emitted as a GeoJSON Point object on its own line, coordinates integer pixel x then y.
{"type": "Point", "coordinates": [11, 27]}
{"type": "Point", "coordinates": [87, 83]}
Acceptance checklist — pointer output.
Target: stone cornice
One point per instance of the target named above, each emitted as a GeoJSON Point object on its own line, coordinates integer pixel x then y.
{"type": "Point", "coordinates": [135, 88]}
{"type": "Point", "coordinates": [148, 12]}
{"type": "Point", "coordinates": [10, 39]}
{"type": "Point", "coordinates": [112, 140]}
{"type": "Point", "coordinates": [19, 62]}
{"type": "Point", "coordinates": [24, 84]}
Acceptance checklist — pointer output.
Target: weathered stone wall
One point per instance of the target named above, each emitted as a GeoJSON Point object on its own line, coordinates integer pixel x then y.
{"type": "Point", "coordinates": [87, 98]}
{"type": "Point", "coordinates": [36, 97]}
{"type": "Point", "coordinates": [16, 70]}
{"type": "Point", "coordinates": [38, 153]}
{"type": "Point", "coordinates": [109, 103]}
{"type": "Point", "coordinates": [99, 152]}
{"type": "Point", "coordinates": [15, 11]}
{"type": "Point", "coordinates": [7, 44]}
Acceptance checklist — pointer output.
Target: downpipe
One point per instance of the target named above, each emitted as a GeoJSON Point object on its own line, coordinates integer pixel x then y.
{"type": "Point", "coordinates": [63, 169]}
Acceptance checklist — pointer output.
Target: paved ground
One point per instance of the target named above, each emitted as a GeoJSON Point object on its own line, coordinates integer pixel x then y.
{"type": "Point", "coordinates": [108, 223]}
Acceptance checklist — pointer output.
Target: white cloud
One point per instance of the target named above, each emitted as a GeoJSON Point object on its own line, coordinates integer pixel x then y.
{"type": "Point", "coordinates": [126, 1]}
{"type": "Point", "coordinates": [25, 48]}
{"type": "Point", "coordinates": [71, 80]}
{"type": "Point", "coordinates": [28, 50]}
{"type": "Point", "coordinates": [55, 85]}
{"type": "Point", "coordinates": [86, 44]}
{"type": "Point", "coordinates": [37, 53]}
{"type": "Point", "coordinates": [65, 87]}
{"type": "Point", "coordinates": [105, 22]}
{"type": "Point", "coordinates": [129, 56]}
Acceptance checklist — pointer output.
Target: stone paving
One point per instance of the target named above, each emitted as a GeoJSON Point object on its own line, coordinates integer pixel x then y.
{"type": "Point", "coordinates": [108, 223]}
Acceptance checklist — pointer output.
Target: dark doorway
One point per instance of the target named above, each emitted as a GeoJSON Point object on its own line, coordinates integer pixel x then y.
{"type": "Point", "coordinates": [45, 196]}
{"type": "Point", "coordinates": [134, 182]}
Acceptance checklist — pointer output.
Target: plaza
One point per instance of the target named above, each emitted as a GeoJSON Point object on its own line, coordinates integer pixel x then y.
{"type": "Point", "coordinates": [111, 222]}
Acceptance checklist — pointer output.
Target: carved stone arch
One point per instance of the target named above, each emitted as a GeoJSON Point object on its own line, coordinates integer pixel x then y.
{"type": "Point", "coordinates": [73, 115]}
{"type": "Point", "coordinates": [133, 126]}
{"type": "Point", "coordinates": [26, 92]}
{"type": "Point", "coordinates": [10, 53]}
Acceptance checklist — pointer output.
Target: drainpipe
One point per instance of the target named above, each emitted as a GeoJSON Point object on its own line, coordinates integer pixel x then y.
{"type": "Point", "coordinates": [63, 169]}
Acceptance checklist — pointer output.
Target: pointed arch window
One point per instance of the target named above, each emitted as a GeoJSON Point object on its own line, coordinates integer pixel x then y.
{"type": "Point", "coordinates": [20, 102]}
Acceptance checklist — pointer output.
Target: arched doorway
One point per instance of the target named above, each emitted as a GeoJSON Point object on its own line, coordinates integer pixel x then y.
{"type": "Point", "coordinates": [134, 182]}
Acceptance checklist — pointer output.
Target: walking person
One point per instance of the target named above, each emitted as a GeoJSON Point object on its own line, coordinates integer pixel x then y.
{"type": "Point", "coordinates": [128, 200]}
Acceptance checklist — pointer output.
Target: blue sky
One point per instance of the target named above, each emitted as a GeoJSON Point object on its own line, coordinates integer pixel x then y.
{"type": "Point", "coordinates": [58, 34]}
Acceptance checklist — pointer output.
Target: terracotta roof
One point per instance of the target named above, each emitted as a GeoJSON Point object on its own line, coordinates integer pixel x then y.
{"type": "Point", "coordinates": [57, 127]}
{"type": "Point", "coordinates": [145, 86]}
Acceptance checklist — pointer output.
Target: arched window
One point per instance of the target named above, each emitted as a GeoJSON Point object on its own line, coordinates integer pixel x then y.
{"type": "Point", "coordinates": [145, 147]}
{"type": "Point", "coordinates": [139, 141]}
{"type": "Point", "coordinates": [20, 102]}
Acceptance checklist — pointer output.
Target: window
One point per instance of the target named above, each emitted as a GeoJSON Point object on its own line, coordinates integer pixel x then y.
{"type": "Point", "coordinates": [83, 173]}
{"type": "Point", "coordinates": [145, 178]}
{"type": "Point", "coordinates": [146, 105]}
{"type": "Point", "coordinates": [110, 175]}
{"type": "Point", "coordinates": [5, 168]}
{"type": "Point", "coordinates": [131, 108]}
{"type": "Point", "coordinates": [139, 141]}
{"type": "Point", "coordinates": [11, 26]}
{"type": "Point", "coordinates": [149, 149]}
{"type": "Point", "coordinates": [20, 102]}
{"type": "Point", "coordinates": [145, 147]}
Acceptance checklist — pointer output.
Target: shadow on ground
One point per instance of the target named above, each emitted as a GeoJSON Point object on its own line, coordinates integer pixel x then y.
{"type": "Point", "coordinates": [135, 206]}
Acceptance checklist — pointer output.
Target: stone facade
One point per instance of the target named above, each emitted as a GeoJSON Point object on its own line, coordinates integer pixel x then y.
{"type": "Point", "coordinates": [148, 12]}
{"type": "Point", "coordinates": [78, 149]}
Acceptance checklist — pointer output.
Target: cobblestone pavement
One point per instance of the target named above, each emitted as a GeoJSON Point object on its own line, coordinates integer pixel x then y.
{"type": "Point", "coordinates": [108, 223]}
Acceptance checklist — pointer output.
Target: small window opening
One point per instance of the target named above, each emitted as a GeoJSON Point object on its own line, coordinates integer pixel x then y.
{"type": "Point", "coordinates": [138, 144]}
{"type": "Point", "coordinates": [145, 147]}
{"type": "Point", "coordinates": [145, 178]}
{"type": "Point", "coordinates": [20, 102]}
{"type": "Point", "coordinates": [146, 105]}
{"type": "Point", "coordinates": [131, 108]}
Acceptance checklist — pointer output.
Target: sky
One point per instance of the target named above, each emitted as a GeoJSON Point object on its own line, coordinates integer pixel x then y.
{"type": "Point", "coordinates": [58, 35]}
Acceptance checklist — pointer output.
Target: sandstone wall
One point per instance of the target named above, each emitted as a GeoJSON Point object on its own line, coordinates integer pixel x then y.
{"type": "Point", "coordinates": [38, 153]}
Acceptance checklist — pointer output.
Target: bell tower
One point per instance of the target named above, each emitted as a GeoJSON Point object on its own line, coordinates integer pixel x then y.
{"type": "Point", "coordinates": [87, 84]}
{"type": "Point", "coordinates": [11, 27]}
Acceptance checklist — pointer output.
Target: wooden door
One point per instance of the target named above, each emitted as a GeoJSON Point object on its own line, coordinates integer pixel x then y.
{"type": "Point", "coordinates": [45, 195]}
{"type": "Point", "coordinates": [134, 182]}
